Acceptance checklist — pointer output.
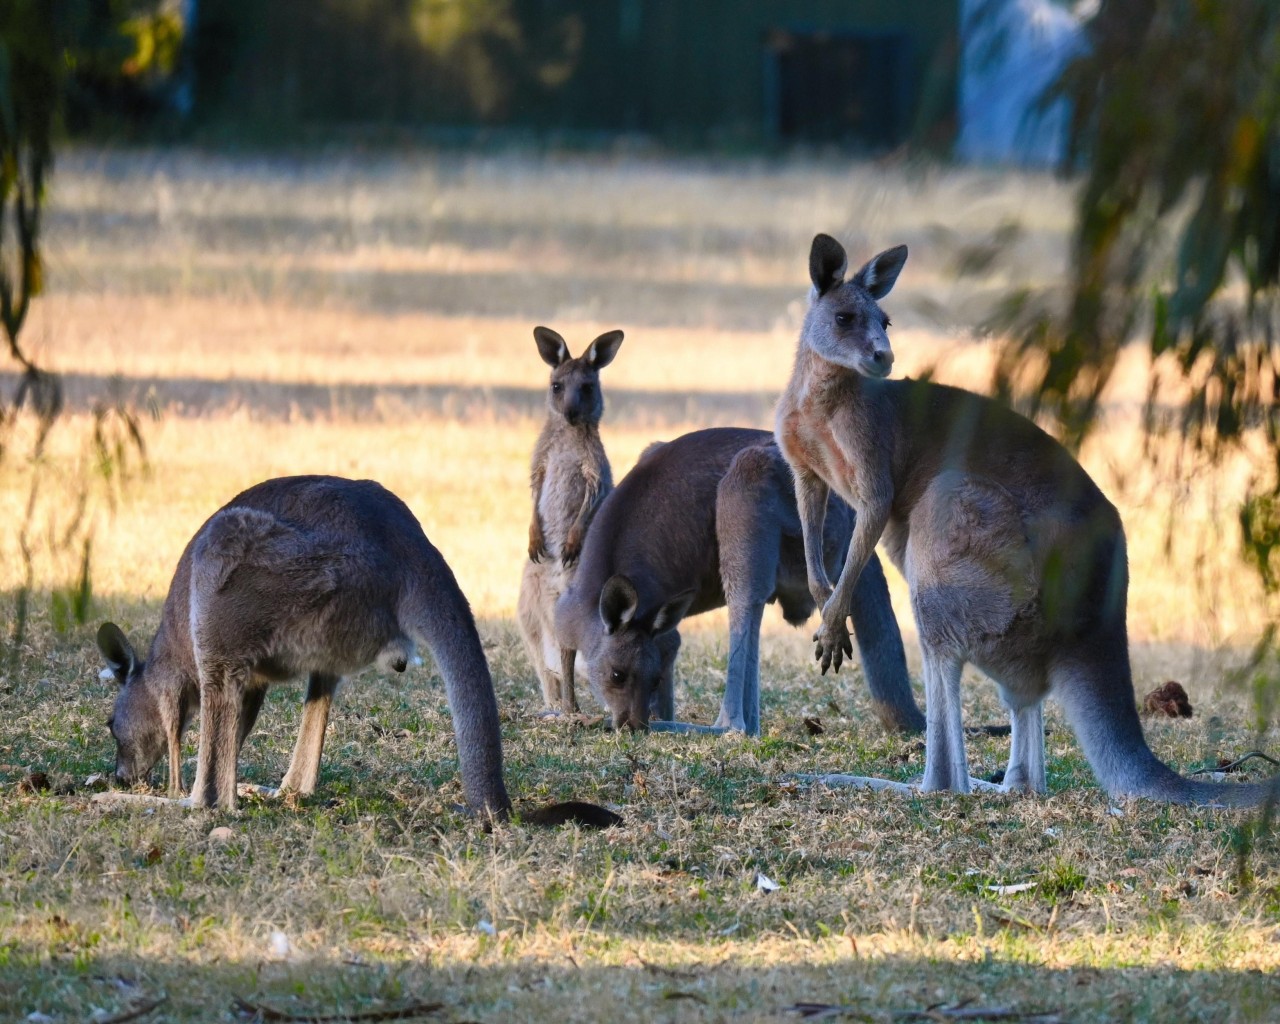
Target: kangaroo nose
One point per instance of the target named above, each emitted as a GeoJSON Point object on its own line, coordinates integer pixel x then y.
{"type": "Point", "coordinates": [627, 720]}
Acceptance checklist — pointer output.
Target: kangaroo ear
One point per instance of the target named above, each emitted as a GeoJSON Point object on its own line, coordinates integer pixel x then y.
{"type": "Point", "coordinates": [550, 346]}
{"type": "Point", "coordinates": [827, 264]}
{"type": "Point", "coordinates": [600, 352]}
{"type": "Point", "coordinates": [116, 651]}
{"type": "Point", "coordinates": [669, 615]}
{"type": "Point", "coordinates": [880, 272]}
{"type": "Point", "coordinates": [618, 602]}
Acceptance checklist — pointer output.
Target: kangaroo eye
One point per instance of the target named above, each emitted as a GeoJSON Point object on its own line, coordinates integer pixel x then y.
{"type": "Point", "coordinates": [556, 388]}
{"type": "Point", "coordinates": [618, 676]}
{"type": "Point", "coordinates": [887, 323]}
{"type": "Point", "coordinates": [844, 319]}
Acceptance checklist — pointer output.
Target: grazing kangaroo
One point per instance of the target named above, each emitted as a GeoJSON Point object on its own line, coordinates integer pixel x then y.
{"type": "Point", "coordinates": [706, 520]}
{"type": "Point", "coordinates": [311, 576]}
{"type": "Point", "coordinates": [570, 477]}
{"type": "Point", "coordinates": [1015, 559]}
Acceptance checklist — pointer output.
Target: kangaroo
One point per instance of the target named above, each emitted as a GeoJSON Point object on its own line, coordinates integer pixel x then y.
{"type": "Point", "coordinates": [570, 476]}
{"type": "Point", "coordinates": [311, 576]}
{"type": "Point", "coordinates": [706, 520]}
{"type": "Point", "coordinates": [1015, 560]}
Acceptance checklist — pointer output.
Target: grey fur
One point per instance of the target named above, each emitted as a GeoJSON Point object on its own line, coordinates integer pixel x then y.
{"type": "Point", "coordinates": [1015, 559]}
{"type": "Point", "coordinates": [706, 520]}
{"type": "Point", "coordinates": [309, 576]}
{"type": "Point", "coordinates": [569, 478]}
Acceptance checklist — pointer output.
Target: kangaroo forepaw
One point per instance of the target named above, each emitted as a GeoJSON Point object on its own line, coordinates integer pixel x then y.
{"type": "Point", "coordinates": [571, 551]}
{"type": "Point", "coordinates": [832, 644]}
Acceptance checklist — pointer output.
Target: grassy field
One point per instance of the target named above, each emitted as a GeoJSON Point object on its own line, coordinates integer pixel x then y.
{"type": "Point", "coordinates": [370, 316]}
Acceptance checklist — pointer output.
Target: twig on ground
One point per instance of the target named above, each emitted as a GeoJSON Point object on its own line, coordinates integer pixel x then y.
{"type": "Point", "coordinates": [821, 1011]}
{"type": "Point", "coordinates": [967, 1011]}
{"type": "Point", "coordinates": [1236, 763]}
{"type": "Point", "coordinates": [133, 1012]}
{"type": "Point", "coordinates": [259, 1012]}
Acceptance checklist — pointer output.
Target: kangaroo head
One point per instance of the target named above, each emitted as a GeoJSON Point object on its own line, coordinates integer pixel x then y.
{"type": "Point", "coordinates": [574, 391]}
{"type": "Point", "coordinates": [845, 324]}
{"type": "Point", "coordinates": [626, 666]}
{"type": "Point", "coordinates": [136, 723]}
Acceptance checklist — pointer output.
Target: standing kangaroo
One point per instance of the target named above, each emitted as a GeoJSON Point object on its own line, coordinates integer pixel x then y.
{"type": "Point", "coordinates": [570, 477]}
{"type": "Point", "coordinates": [310, 576]}
{"type": "Point", "coordinates": [1015, 559]}
{"type": "Point", "coordinates": [706, 520]}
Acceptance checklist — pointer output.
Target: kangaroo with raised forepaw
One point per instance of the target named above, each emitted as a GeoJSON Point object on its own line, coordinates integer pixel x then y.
{"type": "Point", "coordinates": [1015, 560]}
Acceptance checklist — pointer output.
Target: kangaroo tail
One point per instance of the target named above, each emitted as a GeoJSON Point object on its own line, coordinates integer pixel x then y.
{"type": "Point", "coordinates": [1098, 697]}
{"type": "Point", "coordinates": [438, 613]}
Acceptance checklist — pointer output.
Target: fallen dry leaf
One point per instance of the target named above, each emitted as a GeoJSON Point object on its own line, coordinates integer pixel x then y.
{"type": "Point", "coordinates": [1169, 701]}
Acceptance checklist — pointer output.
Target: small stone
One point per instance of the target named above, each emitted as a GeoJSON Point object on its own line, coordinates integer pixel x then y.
{"type": "Point", "coordinates": [222, 835]}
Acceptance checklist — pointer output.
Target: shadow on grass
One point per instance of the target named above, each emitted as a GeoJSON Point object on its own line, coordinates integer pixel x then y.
{"type": "Point", "coordinates": [498, 980]}
{"type": "Point", "coordinates": [191, 397]}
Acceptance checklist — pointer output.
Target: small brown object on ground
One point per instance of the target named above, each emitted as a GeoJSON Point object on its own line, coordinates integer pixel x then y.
{"type": "Point", "coordinates": [1169, 700]}
{"type": "Point", "coordinates": [34, 782]}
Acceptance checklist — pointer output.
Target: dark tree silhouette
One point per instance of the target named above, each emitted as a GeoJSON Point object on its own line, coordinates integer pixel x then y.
{"type": "Point", "coordinates": [40, 45]}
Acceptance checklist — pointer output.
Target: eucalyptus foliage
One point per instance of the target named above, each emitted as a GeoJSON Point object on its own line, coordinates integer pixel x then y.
{"type": "Point", "coordinates": [1176, 129]}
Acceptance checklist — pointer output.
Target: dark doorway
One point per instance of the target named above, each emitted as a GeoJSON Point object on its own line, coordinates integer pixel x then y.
{"type": "Point", "coordinates": [845, 87]}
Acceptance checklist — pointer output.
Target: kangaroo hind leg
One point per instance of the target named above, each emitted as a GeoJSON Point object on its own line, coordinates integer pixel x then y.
{"type": "Point", "coordinates": [304, 766]}
{"type": "Point", "coordinates": [750, 508]}
{"type": "Point", "coordinates": [222, 688]}
{"type": "Point", "coordinates": [1025, 773]}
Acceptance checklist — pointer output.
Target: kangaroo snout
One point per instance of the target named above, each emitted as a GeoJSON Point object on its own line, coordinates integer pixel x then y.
{"type": "Point", "coordinates": [635, 721]}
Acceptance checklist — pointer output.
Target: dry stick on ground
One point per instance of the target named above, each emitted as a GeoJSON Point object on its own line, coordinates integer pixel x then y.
{"type": "Point", "coordinates": [821, 1011]}
{"type": "Point", "coordinates": [966, 1011]}
{"type": "Point", "coordinates": [264, 1013]}
{"type": "Point", "coordinates": [1236, 763]}
{"type": "Point", "coordinates": [134, 1012]}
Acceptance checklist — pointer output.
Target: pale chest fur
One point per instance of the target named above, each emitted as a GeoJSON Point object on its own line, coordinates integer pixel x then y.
{"type": "Point", "coordinates": [564, 489]}
{"type": "Point", "coordinates": [810, 424]}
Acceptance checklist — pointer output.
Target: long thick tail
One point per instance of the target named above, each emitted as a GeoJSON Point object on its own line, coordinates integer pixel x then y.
{"type": "Point", "coordinates": [1098, 696]}
{"type": "Point", "coordinates": [437, 612]}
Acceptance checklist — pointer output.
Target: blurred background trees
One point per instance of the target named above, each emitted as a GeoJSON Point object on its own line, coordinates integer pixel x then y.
{"type": "Point", "coordinates": [49, 53]}
{"type": "Point", "coordinates": [1175, 131]}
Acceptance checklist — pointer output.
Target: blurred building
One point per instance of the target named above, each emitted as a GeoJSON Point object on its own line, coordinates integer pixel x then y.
{"type": "Point", "coordinates": [860, 73]}
{"type": "Point", "coordinates": [865, 75]}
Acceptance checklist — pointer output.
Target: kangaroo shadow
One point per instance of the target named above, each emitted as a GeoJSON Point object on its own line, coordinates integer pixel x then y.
{"type": "Point", "coordinates": [193, 397]}
{"type": "Point", "coordinates": [492, 985]}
